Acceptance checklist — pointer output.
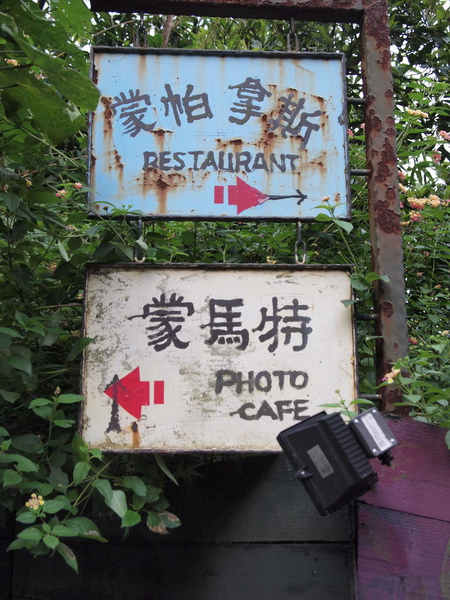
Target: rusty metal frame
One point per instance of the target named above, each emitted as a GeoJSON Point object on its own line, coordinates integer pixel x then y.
{"type": "Point", "coordinates": [384, 208]}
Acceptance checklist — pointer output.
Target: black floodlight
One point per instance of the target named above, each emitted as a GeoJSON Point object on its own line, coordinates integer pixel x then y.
{"type": "Point", "coordinates": [331, 458]}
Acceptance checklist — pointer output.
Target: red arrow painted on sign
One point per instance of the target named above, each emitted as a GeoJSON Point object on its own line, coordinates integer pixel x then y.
{"type": "Point", "coordinates": [130, 393]}
{"type": "Point", "coordinates": [244, 196]}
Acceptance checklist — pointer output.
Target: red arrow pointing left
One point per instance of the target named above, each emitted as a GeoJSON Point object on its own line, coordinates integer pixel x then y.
{"type": "Point", "coordinates": [130, 393]}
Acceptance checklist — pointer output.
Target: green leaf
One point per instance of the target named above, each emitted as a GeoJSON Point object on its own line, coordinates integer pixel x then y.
{"type": "Point", "coordinates": [45, 489]}
{"type": "Point", "coordinates": [85, 528]}
{"type": "Point", "coordinates": [156, 524]}
{"type": "Point", "coordinates": [413, 398]}
{"type": "Point", "coordinates": [3, 432]}
{"type": "Point", "coordinates": [345, 225]}
{"type": "Point", "coordinates": [21, 363]}
{"type": "Point", "coordinates": [136, 484]}
{"type": "Point", "coordinates": [140, 243]}
{"type": "Point", "coordinates": [116, 500]}
{"type": "Point", "coordinates": [77, 88]}
{"type": "Point", "coordinates": [96, 453]}
{"type": "Point", "coordinates": [68, 556]}
{"type": "Point", "coordinates": [160, 504]}
{"type": "Point", "coordinates": [78, 347]}
{"type": "Point", "coordinates": [24, 465]}
{"type": "Point", "coordinates": [162, 465]}
{"type": "Point", "coordinates": [80, 472]}
{"type": "Point", "coordinates": [11, 477]}
{"type": "Point", "coordinates": [356, 282]}
{"type": "Point", "coordinates": [29, 442]}
{"type": "Point", "coordinates": [30, 533]}
{"type": "Point", "coordinates": [153, 494]}
{"type": "Point", "coordinates": [17, 545]}
{"type": "Point", "coordinates": [50, 541]}
{"type": "Point", "coordinates": [45, 412]}
{"type": "Point", "coordinates": [73, 15]}
{"type": "Point", "coordinates": [40, 402]}
{"type": "Point", "coordinates": [82, 525]}
{"type": "Point", "coordinates": [9, 396]}
{"type": "Point", "coordinates": [348, 303]}
{"type": "Point", "coordinates": [323, 217]}
{"type": "Point", "coordinates": [130, 519]}
{"type": "Point", "coordinates": [27, 517]}
{"type": "Point", "coordinates": [69, 398]}
{"type": "Point", "coordinates": [170, 520]}
{"type": "Point", "coordinates": [11, 201]}
{"type": "Point", "coordinates": [63, 531]}
{"type": "Point", "coordinates": [64, 423]}
{"type": "Point", "coordinates": [63, 251]}
{"type": "Point", "coordinates": [10, 332]}
{"type": "Point", "coordinates": [54, 505]}
{"type": "Point", "coordinates": [79, 448]}
{"type": "Point", "coordinates": [50, 114]}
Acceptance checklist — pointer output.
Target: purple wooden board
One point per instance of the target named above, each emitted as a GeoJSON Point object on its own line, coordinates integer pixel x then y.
{"type": "Point", "coordinates": [418, 481]}
{"type": "Point", "coordinates": [402, 557]}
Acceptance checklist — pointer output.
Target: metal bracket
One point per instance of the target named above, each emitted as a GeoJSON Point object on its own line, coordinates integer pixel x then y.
{"type": "Point", "coordinates": [292, 32]}
{"type": "Point", "coordinates": [299, 242]}
{"type": "Point", "coordinates": [141, 34]}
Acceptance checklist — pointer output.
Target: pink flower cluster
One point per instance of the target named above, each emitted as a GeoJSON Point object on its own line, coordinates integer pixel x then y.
{"type": "Point", "coordinates": [445, 135]}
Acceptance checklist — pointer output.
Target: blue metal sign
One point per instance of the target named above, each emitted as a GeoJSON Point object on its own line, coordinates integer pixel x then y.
{"type": "Point", "coordinates": [218, 135]}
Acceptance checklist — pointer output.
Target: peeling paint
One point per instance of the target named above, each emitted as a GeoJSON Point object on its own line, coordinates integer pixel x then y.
{"type": "Point", "coordinates": [154, 127]}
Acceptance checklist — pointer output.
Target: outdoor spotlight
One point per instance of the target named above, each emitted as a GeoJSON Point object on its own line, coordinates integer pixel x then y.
{"type": "Point", "coordinates": [331, 458]}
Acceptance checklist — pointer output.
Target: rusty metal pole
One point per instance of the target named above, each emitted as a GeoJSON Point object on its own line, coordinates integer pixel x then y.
{"type": "Point", "coordinates": [384, 205]}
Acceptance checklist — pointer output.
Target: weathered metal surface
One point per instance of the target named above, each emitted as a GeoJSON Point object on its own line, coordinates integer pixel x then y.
{"type": "Point", "coordinates": [181, 134]}
{"type": "Point", "coordinates": [384, 205]}
{"type": "Point", "coordinates": [197, 358]}
{"type": "Point", "coordinates": [311, 10]}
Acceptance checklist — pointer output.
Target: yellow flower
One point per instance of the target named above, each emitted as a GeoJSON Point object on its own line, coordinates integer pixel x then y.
{"type": "Point", "coordinates": [35, 502]}
{"type": "Point", "coordinates": [417, 113]}
{"type": "Point", "coordinates": [389, 377]}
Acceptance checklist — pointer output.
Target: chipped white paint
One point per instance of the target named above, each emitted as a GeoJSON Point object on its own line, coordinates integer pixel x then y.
{"type": "Point", "coordinates": [237, 354]}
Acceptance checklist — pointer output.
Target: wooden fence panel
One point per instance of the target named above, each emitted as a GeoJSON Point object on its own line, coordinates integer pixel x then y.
{"type": "Point", "coordinates": [249, 532]}
{"type": "Point", "coordinates": [404, 522]}
{"type": "Point", "coordinates": [192, 572]}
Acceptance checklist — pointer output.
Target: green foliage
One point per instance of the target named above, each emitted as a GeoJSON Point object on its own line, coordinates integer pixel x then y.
{"type": "Point", "coordinates": [424, 379]}
{"type": "Point", "coordinates": [49, 478]}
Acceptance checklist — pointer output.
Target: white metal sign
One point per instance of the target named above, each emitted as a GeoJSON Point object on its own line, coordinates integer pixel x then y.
{"type": "Point", "coordinates": [203, 134]}
{"type": "Point", "coordinates": [191, 358]}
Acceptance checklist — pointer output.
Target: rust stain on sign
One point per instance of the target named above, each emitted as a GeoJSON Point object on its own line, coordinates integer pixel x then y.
{"type": "Point", "coordinates": [256, 122]}
{"type": "Point", "coordinates": [135, 436]}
